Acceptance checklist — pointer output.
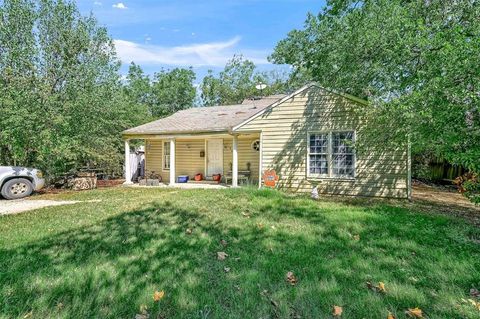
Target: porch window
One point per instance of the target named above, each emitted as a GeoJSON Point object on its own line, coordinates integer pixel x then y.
{"type": "Point", "coordinates": [166, 156]}
{"type": "Point", "coordinates": [331, 154]}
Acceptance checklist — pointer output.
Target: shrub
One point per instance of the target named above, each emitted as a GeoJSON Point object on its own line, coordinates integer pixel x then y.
{"type": "Point", "coordinates": [469, 185]}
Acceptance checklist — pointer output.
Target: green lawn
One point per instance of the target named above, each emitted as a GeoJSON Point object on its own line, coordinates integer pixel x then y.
{"type": "Point", "coordinates": [106, 259]}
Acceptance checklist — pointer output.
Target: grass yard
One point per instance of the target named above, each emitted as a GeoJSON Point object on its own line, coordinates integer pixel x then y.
{"type": "Point", "coordinates": [106, 259]}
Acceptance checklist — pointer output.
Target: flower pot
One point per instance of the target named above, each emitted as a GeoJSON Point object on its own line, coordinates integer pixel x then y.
{"type": "Point", "coordinates": [217, 177]}
{"type": "Point", "coordinates": [198, 177]}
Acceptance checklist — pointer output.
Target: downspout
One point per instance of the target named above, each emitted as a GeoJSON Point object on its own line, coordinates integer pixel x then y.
{"type": "Point", "coordinates": [409, 168]}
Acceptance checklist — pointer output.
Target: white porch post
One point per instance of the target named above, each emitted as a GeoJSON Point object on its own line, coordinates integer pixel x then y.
{"type": "Point", "coordinates": [172, 161]}
{"type": "Point", "coordinates": [235, 161]}
{"type": "Point", "coordinates": [128, 173]}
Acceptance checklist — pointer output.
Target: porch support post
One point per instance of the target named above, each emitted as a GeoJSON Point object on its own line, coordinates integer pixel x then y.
{"type": "Point", "coordinates": [172, 161]}
{"type": "Point", "coordinates": [128, 172]}
{"type": "Point", "coordinates": [235, 161]}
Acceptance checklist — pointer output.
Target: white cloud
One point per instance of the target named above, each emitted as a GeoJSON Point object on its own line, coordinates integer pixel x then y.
{"type": "Point", "coordinates": [200, 54]}
{"type": "Point", "coordinates": [120, 5]}
{"type": "Point", "coordinates": [97, 3]}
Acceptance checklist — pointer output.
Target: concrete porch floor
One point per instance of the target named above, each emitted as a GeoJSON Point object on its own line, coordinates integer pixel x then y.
{"type": "Point", "coordinates": [189, 185]}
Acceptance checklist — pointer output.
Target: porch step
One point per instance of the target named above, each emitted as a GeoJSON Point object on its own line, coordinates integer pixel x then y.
{"type": "Point", "coordinates": [210, 182]}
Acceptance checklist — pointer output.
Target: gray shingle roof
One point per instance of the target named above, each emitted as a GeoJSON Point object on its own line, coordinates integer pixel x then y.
{"type": "Point", "coordinates": [205, 119]}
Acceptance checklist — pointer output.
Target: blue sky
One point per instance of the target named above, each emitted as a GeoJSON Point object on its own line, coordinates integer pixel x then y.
{"type": "Point", "coordinates": [202, 34]}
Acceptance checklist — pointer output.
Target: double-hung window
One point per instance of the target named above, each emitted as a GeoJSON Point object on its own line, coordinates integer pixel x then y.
{"type": "Point", "coordinates": [318, 156]}
{"type": "Point", "coordinates": [166, 156]}
{"type": "Point", "coordinates": [331, 154]}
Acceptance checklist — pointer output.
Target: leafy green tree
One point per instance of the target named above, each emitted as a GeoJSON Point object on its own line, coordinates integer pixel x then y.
{"type": "Point", "coordinates": [237, 82]}
{"type": "Point", "coordinates": [61, 101]}
{"type": "Point", "coordinates": [172, 91]}
{"type": "Point", "coordinates": [138, 88]}
{"type": "Point", "coordinates": [417, 62]}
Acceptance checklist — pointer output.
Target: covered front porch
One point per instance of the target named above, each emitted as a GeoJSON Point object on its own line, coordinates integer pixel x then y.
{"type": "Point", "coordinates": [209, 160]}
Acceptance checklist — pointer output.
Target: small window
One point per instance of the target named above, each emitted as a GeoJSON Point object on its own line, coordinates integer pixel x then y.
{"type": "Point", "coordinates": [256, 145]}
{"type": "Point", "coordinates": [166, 156]}
{"type": "Point", "coordinates": [331, 154]}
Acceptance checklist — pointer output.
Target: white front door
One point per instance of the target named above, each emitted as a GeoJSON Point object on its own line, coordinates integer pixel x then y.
{"type": "Point", "coordinates": [215, 156]}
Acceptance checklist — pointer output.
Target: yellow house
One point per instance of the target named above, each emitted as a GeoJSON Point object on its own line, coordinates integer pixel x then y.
{"type": "Point", "coordinates": [308, 138]}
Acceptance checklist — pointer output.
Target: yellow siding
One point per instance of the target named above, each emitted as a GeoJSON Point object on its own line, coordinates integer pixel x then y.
{"type": "Point", "coordinates": [245, 155]}
{"type": "Point", "coordinates": [284, 133]}
{"type": "Point", "coordinates": [188, 160]}
{"type": "Point", "coordinates": [154, 158]}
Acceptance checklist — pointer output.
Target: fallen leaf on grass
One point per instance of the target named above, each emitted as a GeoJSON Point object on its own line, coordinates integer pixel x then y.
{"type": "Point", "coordinates": [247, 215]}
{"type": "Point", "coordinates": [474, 293]}
{"type": "Point", "coordinates": [226, 269]}
{"type": "Point", "coordinates": [356, 237]}
{"type": "Point", "coordinates": [379, 288]}
{"type": "Point", "coordinates": [473, 303]}
{"type": "Point", "coordinates": [260, 226]}
{"type": "Point", "coordinates": [390, 316]}
{"type": "Point", "coordinates": [28, 315]}
{"type": "Point", "coordinates": [157, 295]}
{"type": "Point", "coordinates": [188, 231]}
{"type": "Point", "coordinates": [223, 242]}
{"type": "Point", "coordinates": [221, 255]}
{"type": "Point", "coordinates": [337, 311]}
{"type": "Point", "coordinates": [291, 278]}
{"type": "Point", "coordinates": [414, 312]}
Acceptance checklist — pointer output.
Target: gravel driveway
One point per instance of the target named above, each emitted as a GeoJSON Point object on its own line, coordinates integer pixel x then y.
{"type": "Point", "coordinates": [21, 205]}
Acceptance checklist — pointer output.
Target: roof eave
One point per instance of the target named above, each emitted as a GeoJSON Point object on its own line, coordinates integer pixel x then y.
{"type": "Point", "coordinates": [126, 134]}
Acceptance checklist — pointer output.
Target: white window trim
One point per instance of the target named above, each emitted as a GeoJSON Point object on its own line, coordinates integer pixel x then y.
{"type": "Point", "coordinates": [328, 154]}
{"type": "Point", "coordinates": [330, 157]}
{"type": "Point", "coordinates": [163, 155]}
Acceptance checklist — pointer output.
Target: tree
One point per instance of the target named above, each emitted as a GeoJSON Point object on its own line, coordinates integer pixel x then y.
{"type": "Point", "coordinates": [237, 82]}
{"type": "Point", "coordinates": [172, 91]}
{"type": "Point", "coordinates": [61, 100]}
{"type": "Point", "coordinates": [138, 87]}
{"type": "Point", "coordinates": [416, 62]}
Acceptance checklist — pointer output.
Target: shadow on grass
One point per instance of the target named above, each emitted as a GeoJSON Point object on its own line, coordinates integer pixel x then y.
{"type": "Point", "coordinates": [110, 269]}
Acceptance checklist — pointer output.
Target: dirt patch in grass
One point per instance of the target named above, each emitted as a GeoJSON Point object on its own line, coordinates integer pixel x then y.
{"type": "Point", "coordinates": [442, 200]}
